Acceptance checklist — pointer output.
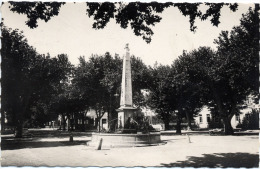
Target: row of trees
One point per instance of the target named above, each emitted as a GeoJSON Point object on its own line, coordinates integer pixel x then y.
{"type": "Point", "coordinates": [38, 88]}
{"type": "Point", "coordinates": [220, 79]}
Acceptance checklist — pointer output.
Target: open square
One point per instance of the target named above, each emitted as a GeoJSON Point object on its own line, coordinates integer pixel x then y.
{"type": "Point", "coordinates": [203, 151]}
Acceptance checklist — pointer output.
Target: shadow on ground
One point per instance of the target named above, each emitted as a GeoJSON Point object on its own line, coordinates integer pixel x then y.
{"type": "Point", "coordinates": [223, 160]}
{"type": "Point", "coordinates": [32, 139]}
{"type": "Point", "coordinates": [14, 144]}
{"type": "Point", "coordinates": [172, 140]}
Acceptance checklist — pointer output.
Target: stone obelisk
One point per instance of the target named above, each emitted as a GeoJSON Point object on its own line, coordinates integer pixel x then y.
{"type": "Point", "coordinates": [126, 109]}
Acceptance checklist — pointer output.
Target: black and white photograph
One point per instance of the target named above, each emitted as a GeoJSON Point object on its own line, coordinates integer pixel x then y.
{"type": "Point", "coordinates": [130, 84]}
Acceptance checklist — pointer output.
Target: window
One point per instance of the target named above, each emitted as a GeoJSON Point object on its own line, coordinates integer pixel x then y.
{"type": "Point", "coordinates": [208, 118]}
{"type": "Point", "coordinates": [104, 121]}
{"type": "Point", "coordinates": [79, 121]}
{"type": "Point", "coordinates": [200, 118]}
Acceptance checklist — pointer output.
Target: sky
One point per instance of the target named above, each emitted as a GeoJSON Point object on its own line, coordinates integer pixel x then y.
{"type": "Point", "coordinates": [71, 33]}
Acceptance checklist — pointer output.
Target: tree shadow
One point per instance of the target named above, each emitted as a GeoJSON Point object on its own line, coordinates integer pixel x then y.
{"type": "Point", "coordinates": [172, 140]}
{"type": "Point", "coordinates": [18, 144]}
{"type": "Point", "coordinates": [223, 160]}
{"type": "Point", "coordinates": [246, 134]}
{"type": "Point", "coordinates": [56, 133]}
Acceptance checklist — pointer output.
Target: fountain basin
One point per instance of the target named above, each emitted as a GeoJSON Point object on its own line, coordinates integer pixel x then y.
{"type": "Point", "coordinates": [111, 140]}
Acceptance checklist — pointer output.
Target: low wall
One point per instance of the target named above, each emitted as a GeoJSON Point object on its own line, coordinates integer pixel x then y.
{"type": "Point", "coordinates": [125, 140]}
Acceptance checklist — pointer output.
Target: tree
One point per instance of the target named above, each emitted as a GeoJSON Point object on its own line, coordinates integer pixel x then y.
{"type": "Point", "coordinates": [229, 74]}
{"type": "Point", "coordinates": [250, 121]}
{"type": "Point", "coordinates": [189, 94]}
{"type": "Point", "coordinates": [69, 104]}
{"type": "Point", "coordinates": [220, 94]}
{"type": "Point", "coordinates": [160, 97]}
{"type": "Point", "coordinates": [98, 80]}
{"type": "Point", "coordinates": [36, 10]}
{"type": "Point", "coordinates": [173, 95]}
{"type": "Point", "coordinates": [112, 82]}
{"type": "Point", "coordinates": [40, 116]}
{"type": "Point", "coordinates": [65, 100]}
{"type": "Point", "coordinates": [17, 80]}
{"type": "Point", "coordinates": [28, 79]}
{"type": "Point", "coordinates": [141, 78]}
{"type": "Point", "coordinates": [237, 67]}
{"type": "Point", "coordinates": [140, 16]}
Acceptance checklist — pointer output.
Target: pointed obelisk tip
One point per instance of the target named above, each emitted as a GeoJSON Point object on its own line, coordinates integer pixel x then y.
{"type": "Point", "coordinates": [127, 47]}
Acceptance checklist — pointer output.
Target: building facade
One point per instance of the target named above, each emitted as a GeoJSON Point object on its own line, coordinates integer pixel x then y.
{"type": "Point", "coordinates": [206, 120]}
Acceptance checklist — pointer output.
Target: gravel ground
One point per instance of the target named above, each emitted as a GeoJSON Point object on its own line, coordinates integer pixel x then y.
{"type": "Point", "coordinates": [203, 151]}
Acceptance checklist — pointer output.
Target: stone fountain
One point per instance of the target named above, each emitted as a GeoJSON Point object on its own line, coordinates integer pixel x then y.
{"type": "Point", "coordinates": [125, 137]}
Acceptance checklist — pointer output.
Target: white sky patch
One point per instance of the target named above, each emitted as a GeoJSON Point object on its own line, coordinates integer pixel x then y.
{"type": "Point", "coordinates": [71, 33]}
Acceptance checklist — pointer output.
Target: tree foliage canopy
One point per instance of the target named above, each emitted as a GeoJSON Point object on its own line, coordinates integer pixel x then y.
{"type": "Point", "coordinates": [36, 10]}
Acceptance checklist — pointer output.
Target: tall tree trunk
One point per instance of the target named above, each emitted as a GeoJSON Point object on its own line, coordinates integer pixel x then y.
{"type": "Point", "coordinates": [178, 125]}
{"type": "Point", "coordinates": [257, 36]}
{"type": "Point", "coordinates": [2, 121]}
{"type": "Point", "coordinates": [63, 122]}
{"type": "Point", "coordinates": [19, 119]}
{"type": "Point", "coordinates": [109, 113]}
{"type": "Point", "coordinates": [166, 123]}
{"type": "Point", "coordinates": [72, 122]}
{"type": "Point", "coordinates": [99, 114]}
{"type": "Point", "coordinates": [83, 123]}
{"type": "Point", "coordinates": [108, 120]}
{"type": "Point", "coordinates": [112, 122]}
{"type": "Point", "coordinates": [68, 124]}
{"type": "Point", "coordinates": [227, 126]}
{"type": "Point", "coordinates": [20, 110]}
{"type": "Point", "coordinates": [19, 129]}
{"type": "Point", "coordinates": [64, 125]}
{"type": "Point", "coordinates": [96, 123]}
{"type": "Point", "coordinates": [99, 125]}
{"type": "Point", "coordinates": [226, 119]}
{"type": "Point", "coordinates": [188, 117]}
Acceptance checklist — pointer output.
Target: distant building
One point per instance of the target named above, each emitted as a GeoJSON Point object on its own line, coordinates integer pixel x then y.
{"type": "Point", "coordinates": [103, 121]}
{"type": "Point", "coordinates": [206, 120]}
{"type": "Point", "coordinates": [204, 117]}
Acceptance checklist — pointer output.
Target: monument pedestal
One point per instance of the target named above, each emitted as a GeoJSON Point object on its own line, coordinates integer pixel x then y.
{"type": "Point", "coordinates": [125, 114]}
